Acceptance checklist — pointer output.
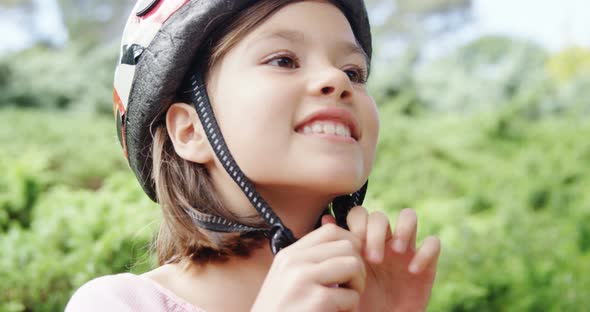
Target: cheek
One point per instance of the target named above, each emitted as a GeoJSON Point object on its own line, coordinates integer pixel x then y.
{"type": "Point", "coordinates": [261, 108]}
{"type": "Point", "coordinates": [371, 118]}
{"type": "Point", "coordinates": [256, 119]}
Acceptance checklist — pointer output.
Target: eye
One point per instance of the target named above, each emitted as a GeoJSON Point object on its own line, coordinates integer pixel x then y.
{"type": "Point", "coordinates": [356, 75]}
{"type": "Point", "coordinates": [285, 61]}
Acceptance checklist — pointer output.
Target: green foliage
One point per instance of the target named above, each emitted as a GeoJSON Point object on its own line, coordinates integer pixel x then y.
{"type": "Point", "coordinates": [511, 210]}
{"type": "Point", "coordinates": [75, 78]}
{"type": "Point", "coordinates": [411, 21]}
{"type": "Point", "coordinates": [95, 21]}
{"type": "Point", "coordinates": [569, 64]}
{"type": "Point", "coordinates": [69, 210]}
{"type": "Point", "coordinates": [52, 146]}
{"type": "Point", "coordinates": [487, 75]}
{"type": "Point", "coordinates": [482, 75]}
{"type": "Point", "coordinates": [486, 144]}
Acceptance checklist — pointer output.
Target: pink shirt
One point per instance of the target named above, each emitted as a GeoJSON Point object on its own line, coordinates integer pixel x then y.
{"type": "Point", "coordinates": [126, 292]}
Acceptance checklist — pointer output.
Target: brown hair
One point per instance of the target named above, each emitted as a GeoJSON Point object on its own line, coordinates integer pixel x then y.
{"type": "Point", "coordinates": [183, 185]}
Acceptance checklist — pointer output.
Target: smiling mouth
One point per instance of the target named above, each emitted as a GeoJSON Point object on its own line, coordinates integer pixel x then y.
{"type": "Point", "coordinates": [333, 123]}
{"type": "Point", "coordinates": [328, 129]}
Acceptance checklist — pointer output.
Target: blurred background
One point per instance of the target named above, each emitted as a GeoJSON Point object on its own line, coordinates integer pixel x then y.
{"type": "Point", "coordinates": [485, 121]}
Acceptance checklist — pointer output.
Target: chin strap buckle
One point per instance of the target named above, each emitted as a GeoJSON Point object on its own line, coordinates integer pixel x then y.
{"type": "Point", "coordinates": [279, 237]}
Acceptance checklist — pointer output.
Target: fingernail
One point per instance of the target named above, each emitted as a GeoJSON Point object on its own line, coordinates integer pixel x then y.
{"type": "Point", "coordinates": [399, 246]}
{"type": "Point", "coordinates": [414, 268]}
{"type": "Point", "coordinates": [376, 256]}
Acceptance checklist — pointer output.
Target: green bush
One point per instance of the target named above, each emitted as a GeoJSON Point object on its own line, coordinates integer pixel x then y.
{"type": "Point", "coordinates": [511, 209]}
{"type": "Point", "coordinates": [76, 149]}
{"type": "Point", "coordinates": [70, 209]}
{"type": "Point", "coordinates": [507, 197]}
{"type": "Point", "coordinates": [481, 76]}
{"type": "Point", "coordinates": [74, 78]}
{"type": "Point", "coordinates": [74, 237]}
{"type": "Point", "coordinates": [569, 64]}
{"type": "Point", "coordinates": [487, 145]}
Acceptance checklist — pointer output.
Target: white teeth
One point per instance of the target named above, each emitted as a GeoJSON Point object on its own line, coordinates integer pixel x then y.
{"type": "Point", "coordinates": [327, 127]}
{"type": "Point", "coordinates": [317, 128]}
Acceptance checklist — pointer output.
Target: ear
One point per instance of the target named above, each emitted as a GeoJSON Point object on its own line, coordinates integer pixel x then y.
{"type": "Point", "coordinates": [187, 134]}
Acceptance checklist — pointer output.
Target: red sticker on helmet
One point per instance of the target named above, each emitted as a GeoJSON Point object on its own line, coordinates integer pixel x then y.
{"type": "Point", "coordinates": [162, 10]}
{"type": "Point", "coordinates": [145, 6]}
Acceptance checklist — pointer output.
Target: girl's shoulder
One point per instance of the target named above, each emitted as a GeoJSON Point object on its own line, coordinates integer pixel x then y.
{"type": "Point", "coordinates": [126, 292]}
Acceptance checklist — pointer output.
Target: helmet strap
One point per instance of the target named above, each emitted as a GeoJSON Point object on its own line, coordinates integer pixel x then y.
{"type": "Point", "coordinates": [278, 234]}
{"type": "Point", "coordinates": [342, 205]}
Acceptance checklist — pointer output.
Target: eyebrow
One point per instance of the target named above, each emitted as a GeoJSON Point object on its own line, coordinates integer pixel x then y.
{"type": "Point", "coordinates": [299, 37]}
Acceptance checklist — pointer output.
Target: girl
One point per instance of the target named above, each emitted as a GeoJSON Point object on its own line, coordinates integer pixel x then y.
{"type": "Point", "coordinates": [249, 121]}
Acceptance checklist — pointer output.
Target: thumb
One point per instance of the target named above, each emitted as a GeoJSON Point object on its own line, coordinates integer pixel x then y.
{"type": "Point", "coordinates": [326, 219]}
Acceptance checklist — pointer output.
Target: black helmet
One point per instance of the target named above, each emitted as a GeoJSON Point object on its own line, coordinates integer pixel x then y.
{"type": "Point", "coordinates": [159, 44]}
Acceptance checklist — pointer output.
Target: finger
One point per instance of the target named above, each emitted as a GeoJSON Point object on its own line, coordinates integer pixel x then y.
{"type": "Point", "coordinates": [325, 233]}
{"type": "Point", "coordinates": [432, 265]}
{"type": "Point", "coordinates": [426, 255]}
{"type": "Point", "coordinates": [347, 270]}
{"type": "Point", "coordinates": [357, 222]}
{"type": "Point", "coordinates": [328, 219]}
{"type": "Point", "coordinates": [378, 232]}
{"type": "Point", "coordinates": [412, 240]}
{"type": "Point", "coordinates": [325, 251]}
{"type": "Point", "coordinates": [345, 299]}
{"type": "Point", "coordinates": [405, 230]}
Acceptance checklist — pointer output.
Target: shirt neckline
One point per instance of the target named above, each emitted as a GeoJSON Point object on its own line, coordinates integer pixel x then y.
{"type": "Point", "coordinates": [169, 294]}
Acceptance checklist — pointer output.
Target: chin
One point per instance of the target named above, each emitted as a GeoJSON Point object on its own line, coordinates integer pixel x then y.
{"type": "Point", "coordinates": [319, 178]}
{"type": "Point", "coordinates": [337, 184]}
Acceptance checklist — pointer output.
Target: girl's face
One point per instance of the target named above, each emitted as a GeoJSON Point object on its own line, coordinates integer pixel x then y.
{"type": "Point", "coordinates": [292, 104]}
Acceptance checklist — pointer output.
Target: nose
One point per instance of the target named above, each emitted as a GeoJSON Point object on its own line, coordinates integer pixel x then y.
{"type": "Point", "coordinates": [332, 82]}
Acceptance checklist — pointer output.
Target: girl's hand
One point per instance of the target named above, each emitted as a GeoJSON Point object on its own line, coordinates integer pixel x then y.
{"type": "Point", "coordinates": [305, 275]}
{"type": "Point", "coordinates": [399, 277]}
